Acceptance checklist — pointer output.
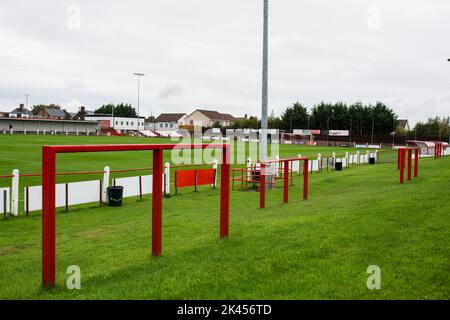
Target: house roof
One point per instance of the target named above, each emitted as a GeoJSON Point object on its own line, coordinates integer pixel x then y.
{"type": "Point", "coordinates": [217, 116]}
{"type": "Point", "coordinates": [23, 111]}
{"type": "Point", "coordinates": [55, 112]}
{"type": "Point", "coordinates": [169, 117]}
{"type": "Point", "coordinates": [402, 123]}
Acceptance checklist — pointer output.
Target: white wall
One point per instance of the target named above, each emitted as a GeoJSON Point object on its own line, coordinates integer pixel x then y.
{"type": "Point", "coordinates": [120, 123]}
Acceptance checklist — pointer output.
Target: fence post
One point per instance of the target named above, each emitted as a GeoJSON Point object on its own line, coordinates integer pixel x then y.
{"type": "Point", "coordinates": [409, 165]}
{"type": "Point", "coordinates": [15, 193]}
{"type": "Point", "coordinates": [416, 163]}
{"type": "Point", "coordinates": [167, 178]}
{"type": "Point", "coordinates": [157, 203]}
{"type": "Point", "coordinates": [5, 204]}
{"type": "Point", "coordinates": [402, 166]}
{"type": "Point", "coordinates": [347, 159]}
{"type": "Point", "coordinates": [106, 173]}
{"type": "Point", "coordinates": [262, 188]}
{"type": "Point", "coordinates": [334, 160]}
{"type": "Point", "coordinates": [358, 160]}
{"type": "Point", "coordinates": [305, 180]}
{"type": "Point", "coordinates": [367, 156]}
{"type": "Point", "coordinates": [215, 165]}
{"type": "Point", "coordinates": [249, 167]}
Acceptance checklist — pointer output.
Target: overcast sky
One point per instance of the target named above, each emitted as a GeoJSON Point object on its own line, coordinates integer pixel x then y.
{"type": "Point", "coordinates": [207, 54]}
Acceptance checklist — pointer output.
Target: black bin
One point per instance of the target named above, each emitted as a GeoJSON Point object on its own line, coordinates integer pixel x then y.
{"type": "Point", "coordinates": [115, 196]}
{"type": "Point", "coordinates": [372, 160]}
{"type": "Point", "coordinates": [338, 166]}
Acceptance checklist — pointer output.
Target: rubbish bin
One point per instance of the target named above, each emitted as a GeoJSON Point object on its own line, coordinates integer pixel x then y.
{"type": "Point", "coordinates": [372, 160]}
{"type": "Point", "coordinates": [115, 196]}
{"type": "Point", "coordinates": [338, 166]}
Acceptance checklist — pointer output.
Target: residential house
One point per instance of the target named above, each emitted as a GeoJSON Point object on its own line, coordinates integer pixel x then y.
{"type": "Point", "coordinates": [4, 114]}
{"type": "Point", "coordinates": [83, 113]}
{"type": "Point", "coordinates": [170, 121]}
{"type": "Point", "coordinates": [53, 113]}
{"type": "Point", "coordinates": [208, 118]}
{"type": "Point", "coordinates": [21, 112]}
{"type": "Point", "coordinates": [403, 125]}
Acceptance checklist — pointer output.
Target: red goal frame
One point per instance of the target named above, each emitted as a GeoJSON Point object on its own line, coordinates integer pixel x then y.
{"type": "Point", "coordinates": [49, 194]}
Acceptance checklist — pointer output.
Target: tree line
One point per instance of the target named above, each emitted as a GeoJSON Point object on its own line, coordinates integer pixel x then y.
{"type": "Point", "coordinates": [436, 127]}
{"type": "Point", "coordinates": [357, 118]}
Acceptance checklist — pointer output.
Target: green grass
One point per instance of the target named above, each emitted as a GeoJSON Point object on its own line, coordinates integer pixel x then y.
{"type": "Point", "coordinates": [318, 249]}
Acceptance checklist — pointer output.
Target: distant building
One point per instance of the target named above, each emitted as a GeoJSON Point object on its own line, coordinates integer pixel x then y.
{"type": "Point", "coordinates": [82, 114]}
{"type": "Point", "coordinates": [403, 124]}
{"type": "Point", "coordinates": [21, 112]}
{"type": "Point", "coordinates": [170, 121]}
{"type": "Point", "coordinates": [47, 126]}
{"type": "Point", "coordinates": [4, 114]}
{"type": "Point", "coordinates": [207, 119]}
{"type": "Point", "coordinates": [53, 113]}
{"type": "Point", "coordinates": [122, 124]}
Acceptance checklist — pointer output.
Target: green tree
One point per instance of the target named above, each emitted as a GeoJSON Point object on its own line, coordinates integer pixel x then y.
{"type": "Point", "coordinates": [295, 117]}
{"type": "Point", "coordinates": [120, 110]}
{"type": "Point", "coordinates": [274, 122]}
{"type": "Point", "coordinates": [434, 128]}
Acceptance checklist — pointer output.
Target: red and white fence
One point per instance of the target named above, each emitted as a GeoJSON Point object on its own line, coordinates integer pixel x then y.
{"type": "Point", "coordinates": [84, 192]}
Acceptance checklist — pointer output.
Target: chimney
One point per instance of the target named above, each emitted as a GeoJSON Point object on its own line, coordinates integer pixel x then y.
{"type": "Point", "coordinates": [22, 107]}
{"type": "Point", "coordinates": [83, 109]}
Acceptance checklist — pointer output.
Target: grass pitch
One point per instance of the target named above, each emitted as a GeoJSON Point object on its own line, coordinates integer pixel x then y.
{"type": "Point", "coordinates": [318, 249]}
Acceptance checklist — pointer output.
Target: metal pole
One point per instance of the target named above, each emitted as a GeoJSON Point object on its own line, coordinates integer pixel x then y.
{"type": "Point", "coordinates": [328, 129]}
{"type": "Point", "coordinates": [265, 85]}
{"type": "Point", "coordinates": [373, 127]}
{"type": "Point", "coordinates": [350, 135]}
{"type": "Point", "coordinates": [157, 203]}
{"type": "Point", "coordinates": [113, 117]}
{"type": "Point", "coordinates": [139, 75]}
{"type": "Point", "coordinates": [139, 102]}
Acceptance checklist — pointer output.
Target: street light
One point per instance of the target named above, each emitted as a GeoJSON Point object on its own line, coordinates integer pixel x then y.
{"type": "Point", "coordinates": [138, 75]}
{"type": "Point", "coordinates": [265, 85]}
{"type": "Point", "coordinates": [328, 131]}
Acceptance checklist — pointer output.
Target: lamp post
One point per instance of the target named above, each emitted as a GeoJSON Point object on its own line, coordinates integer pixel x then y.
{"type": "Point", "coordinates": [328, 131]}
{"type": "Point", "coordinates": [351, 130]}
{"type": "Point", "coordinates": [138, 75]}
{"type": "Point", "coordinates": [373, 128]}
{"type": "Point", "coordinates": [265, 85]}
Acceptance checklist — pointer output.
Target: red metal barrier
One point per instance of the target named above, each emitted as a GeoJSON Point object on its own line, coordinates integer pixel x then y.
{"type": "Point", "coordinates": [286, 178]}
{"type": "Point", "coordinates": [402, 153]}
{"type": "Point", "coordinates": [438, 150]}
{"type": "Point", "coordinates": [49, 190]}
{"type": "Point", "coordinates": [194, 178]}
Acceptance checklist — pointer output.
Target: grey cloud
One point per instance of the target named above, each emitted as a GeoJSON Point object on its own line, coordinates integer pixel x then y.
{"type": "Point", "coordinates": [174, 90]}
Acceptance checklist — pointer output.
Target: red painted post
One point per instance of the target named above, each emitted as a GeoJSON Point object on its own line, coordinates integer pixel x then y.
{"type": "Point", "coordinates": [416, 163]}
{"type": "Point", "coordinates": [409, 164]}
{"type": "Point", "coordinates": [157, 203]}
{"type": "Point", "coordinates": [402, 166]}
{"type": "Point", "coordinates": [286, 182]}
{"type": "Point", "coordinates": [48, 217]}
{"type": "Point", "coordinates": [262, 186]}
{"type": "Point", "coordinates": [305, 179]}
{"type": "Point", "coordinates": [225, 193]}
